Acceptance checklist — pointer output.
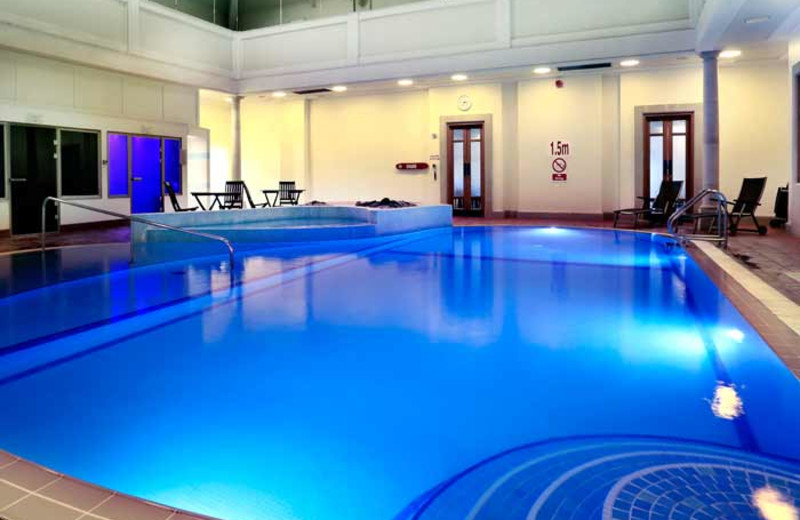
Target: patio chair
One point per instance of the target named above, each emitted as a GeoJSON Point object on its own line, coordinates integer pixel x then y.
{"type": "Point", "coordinates": [246, 193]}
{"type": "Point", "coordinates": [746, 204]}
{"type": "Point", "coordinates": [288, 193]}
{"type": "Point", "coordinates": [657, 212]}
{"type": "Point", "coordinates": [174, 199]}
{"type": "Point", "coordinates": [233, 195]}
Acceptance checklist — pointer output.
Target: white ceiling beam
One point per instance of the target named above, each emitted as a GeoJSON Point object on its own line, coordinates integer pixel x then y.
{"type": "Point", "coordinates": [715, 19]}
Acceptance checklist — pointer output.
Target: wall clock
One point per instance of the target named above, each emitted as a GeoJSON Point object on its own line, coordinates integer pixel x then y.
{"type": "Point", "coordinates": [464, 103]}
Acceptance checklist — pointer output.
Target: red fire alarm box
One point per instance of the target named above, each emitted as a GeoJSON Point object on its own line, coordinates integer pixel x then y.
{"type": "Point", "coordinates": [412, 166]}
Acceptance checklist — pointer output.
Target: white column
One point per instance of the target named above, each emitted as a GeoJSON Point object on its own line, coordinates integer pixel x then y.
{"type": "Point", "coordinates": [710, 120]}
{"type": "Point", "coordinates": [236, 142]}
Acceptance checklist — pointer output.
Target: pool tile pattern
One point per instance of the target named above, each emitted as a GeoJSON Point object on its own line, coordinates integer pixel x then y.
{"type": "Point", "coordinates": [32, 492]}
{"type": "Point", "coordinates": [613, 479]}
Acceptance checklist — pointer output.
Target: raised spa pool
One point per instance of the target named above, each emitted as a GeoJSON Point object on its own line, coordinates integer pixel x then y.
{"type": "Point", "coordinates": [482, 373]}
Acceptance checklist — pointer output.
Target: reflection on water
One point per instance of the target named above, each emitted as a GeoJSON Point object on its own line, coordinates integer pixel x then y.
{"type": "Point", "coordinates": [726, 403]}
{"type": "Point", "coordinates": [773, 505]}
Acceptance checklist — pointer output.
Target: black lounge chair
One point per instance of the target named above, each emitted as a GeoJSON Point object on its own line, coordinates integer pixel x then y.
{"type": "Point", "coordinates": [174, 199]}
{"type": "Point", "coordinates": [234, 197]}
{"type": "Point", "coordinates": [746, 204]}
{"type": "Point", "coordinates": [288, 193]}
{"type": "Point", "coordinates": [241, 190]}
{"type": "Point", "coordinates": [661, 208]}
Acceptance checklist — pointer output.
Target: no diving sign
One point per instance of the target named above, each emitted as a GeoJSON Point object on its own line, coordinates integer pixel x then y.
{"type": "Point", "coordinates": [559, 170]}
{"type": "Point", "coordinates": [560, 150]}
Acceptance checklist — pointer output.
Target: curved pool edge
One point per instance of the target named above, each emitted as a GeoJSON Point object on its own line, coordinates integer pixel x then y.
{"type": "Point", "coordinates": [31, 490]}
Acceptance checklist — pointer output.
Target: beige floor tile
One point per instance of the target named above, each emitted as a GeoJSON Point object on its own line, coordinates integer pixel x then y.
{"type": "Point", "coordinates": [27, 475]}
{"type": "Point", "coordinates": [9, 494]}
{"type": "Point", "coordinates": [80, 495]}
{"type": "Point", "coordinates": [124, 508]}
{"type": "Point", "coordinates": [36, 508]}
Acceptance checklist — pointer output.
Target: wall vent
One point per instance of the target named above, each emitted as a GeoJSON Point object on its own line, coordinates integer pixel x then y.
{"type": "Point", "coordinates": [312, 91]}
{"type": "Point", "coordinates": [586, 66]}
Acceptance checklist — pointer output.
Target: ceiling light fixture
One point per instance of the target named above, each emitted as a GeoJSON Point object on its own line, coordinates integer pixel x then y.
{"type": "Point", "coordinates": [405, 82]}
{"type": "Point", "coordinates": [279, 94]}
{"type": "Point", "coordinates": [459, 77]}
{"type": "Point", "coordinates": [629, 63]}
{"type": "Point", "coordinates": [542, 70]}
{"type": "Point", "coordinates": [730, 54]}
{"type": "Point", "coordinates": [339, 88]}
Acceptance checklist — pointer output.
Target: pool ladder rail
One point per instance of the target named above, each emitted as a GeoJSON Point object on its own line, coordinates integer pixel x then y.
{"type": "Point", "coordinates": [132, 218]}
{"type": "Point", "coordinates": [719, 214]}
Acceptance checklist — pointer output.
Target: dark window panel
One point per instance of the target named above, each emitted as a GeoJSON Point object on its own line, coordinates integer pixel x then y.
{"type": "Point", "coordinates": [80, 163]}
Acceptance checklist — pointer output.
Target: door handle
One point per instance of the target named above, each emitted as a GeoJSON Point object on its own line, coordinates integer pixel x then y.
{"type": "Point", "coordinates": [136, 179]}
{"type": "Point", "coordinates": [17, 179]}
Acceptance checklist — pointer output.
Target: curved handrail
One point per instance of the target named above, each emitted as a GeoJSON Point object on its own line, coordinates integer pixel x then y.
{"type": "Point", "coordinates": [132, 218]}
{"type": "Point", "coordinates": [722, 216]}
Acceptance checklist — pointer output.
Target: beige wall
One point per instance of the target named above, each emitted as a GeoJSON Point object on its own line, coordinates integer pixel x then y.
{"type": "Point", "coordinates": [216, 116]}
{"type": "Point", "coordinates": [345, 147]}
{"type": "Point", "coordinates": [571, 114]}
{"type": "Point", "coordinates": [355, 143]}
{"type": "Point", "coordinates": [273, 143]}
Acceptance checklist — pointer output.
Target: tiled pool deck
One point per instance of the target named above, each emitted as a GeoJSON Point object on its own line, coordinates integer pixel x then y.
{"type": "Point", "coordinates": [31, 492]}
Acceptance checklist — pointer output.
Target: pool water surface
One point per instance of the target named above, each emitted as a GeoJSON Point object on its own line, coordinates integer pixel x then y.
{"type": "Point", "coordinates": [382, 379]}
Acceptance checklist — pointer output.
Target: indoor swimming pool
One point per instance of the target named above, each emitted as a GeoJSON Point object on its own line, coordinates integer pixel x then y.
{"type": "Point", "coordinates": [455, 373]}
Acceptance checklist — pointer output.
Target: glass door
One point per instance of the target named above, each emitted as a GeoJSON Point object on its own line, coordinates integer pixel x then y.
{"type": "Point", "coordinates": [33, 177]}
{"type": "Point", "coordinates": [146, 175]}
{"type": "Point", "coordinates": [465, 167]}
{"type": "Point", "coordinates": [668, 153]}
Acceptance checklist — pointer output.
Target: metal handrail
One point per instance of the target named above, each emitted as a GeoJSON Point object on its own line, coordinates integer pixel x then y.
{"type": "Point", "coordinates": [132, 218]}
{"type": "Point", "coordinates": [722, 217]}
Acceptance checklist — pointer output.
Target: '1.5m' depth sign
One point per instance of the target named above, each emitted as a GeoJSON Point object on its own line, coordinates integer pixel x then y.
{"type": "Point", "coordinates": [560, 150]}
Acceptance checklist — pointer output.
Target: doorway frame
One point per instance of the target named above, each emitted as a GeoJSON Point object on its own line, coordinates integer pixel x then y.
{"type": "Point", "coordinates": [488, 156]}
{"type": "Point", "coordinates": [638, 151]}
{"type": "Point", "coordinates": [451, 127]}
{"type": "Point", "coordinates": [690, 141]}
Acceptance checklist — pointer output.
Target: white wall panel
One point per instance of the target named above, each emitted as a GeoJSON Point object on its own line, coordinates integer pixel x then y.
{"type": "Point", "coordinates": [165, 36]}
{"type": "Point", "coordinates": [434, 29]}
{"type": "Point", "coordinates": [98, 91]}
{"type": "Point", "coordinates": [547, 18]}
{"type": "Point", "coordinates": [143, 99]}
{"type": "Point", "coordinates": [102, 21]}
{"type": "Point", "coordinates": [180, 104]}
{"type": "Point", "coordinates": [296, 48]}
{"type": "Point", "coordinates": [45, 82]}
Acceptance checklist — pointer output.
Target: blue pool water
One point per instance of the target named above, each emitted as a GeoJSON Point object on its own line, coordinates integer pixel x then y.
{"type": "Point", "coordinates": [399, 378]}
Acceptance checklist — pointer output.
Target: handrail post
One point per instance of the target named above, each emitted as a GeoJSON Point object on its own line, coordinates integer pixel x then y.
{"type": "Point", "coordinates": [43, 230]}
{"type": "Point", "coordinates": [131, 218]}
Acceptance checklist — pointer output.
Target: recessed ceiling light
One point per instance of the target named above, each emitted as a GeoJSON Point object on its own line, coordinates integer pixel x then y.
{"type": "Point", "coordinates": [459, 77]}
{"type": "Point", "coordinates": [542, 70]}
{"type": "Point", "coordinates": [756, 19]}
{"type": "Point", "coordinates": [629, 63]}
{"type": "Point", "coordinates": [730, 53]}
{"type": "Point", "coordinates": [405, 82]}
{"type": "Point", "coordinates": [339, 88]}
{"type": "Point", "coordinates": [279, 94]}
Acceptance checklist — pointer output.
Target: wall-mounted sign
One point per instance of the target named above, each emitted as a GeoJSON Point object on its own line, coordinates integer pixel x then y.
{"type": "Point", "coordinates": [560, 150]}
{"type": "Point", "coordinates": [434, 157]}
{"type": "Point", "coordinates": [412, 166]}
